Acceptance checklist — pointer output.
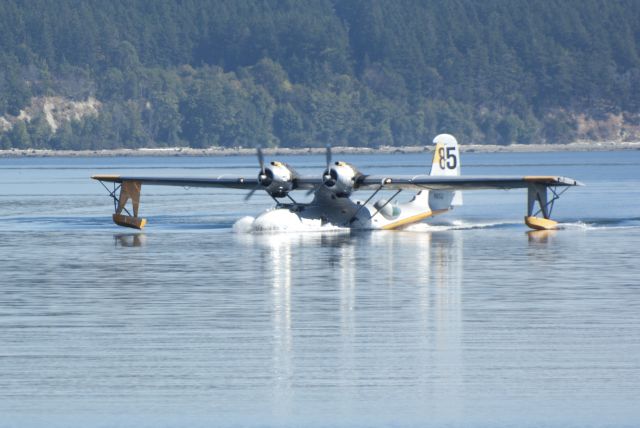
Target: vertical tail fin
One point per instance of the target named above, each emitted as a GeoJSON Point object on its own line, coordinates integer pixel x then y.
{"type": "Point", "coordinates": [446, 157]}
{"type": "Point", "coordinates": [446, 163]}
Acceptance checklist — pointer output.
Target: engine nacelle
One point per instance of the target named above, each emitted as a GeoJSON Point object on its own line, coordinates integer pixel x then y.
{"type": "Point", "coordinates": [277, 179]}
{"type": "Point", "coordinates": [341, 179]}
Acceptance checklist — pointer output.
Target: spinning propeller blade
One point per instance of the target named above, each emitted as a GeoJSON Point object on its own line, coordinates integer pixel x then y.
{"type": "Point", "coordinates": [261, 160]}
{"type": "Point", "coordinates": [262, 175]}
{"type": "Point", "coordinates": [250, 194]}
{"type": "Point", "coordinates": [328, 156]}
{"type": "Point", "coordinates": [327, 173]}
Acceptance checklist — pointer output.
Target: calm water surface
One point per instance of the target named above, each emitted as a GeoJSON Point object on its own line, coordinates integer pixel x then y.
{"type": "Point", "coordinates": [469, 322]}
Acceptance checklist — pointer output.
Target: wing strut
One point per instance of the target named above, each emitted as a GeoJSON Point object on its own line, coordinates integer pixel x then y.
{"type": "Point", "coordinates": [355, 215]}
{"type": "Point", "coordinates": [537, 195]}
{"type": "Point", "coordinates": [386, 203]}
{"type": "Point", "coordinates": [128, 191]}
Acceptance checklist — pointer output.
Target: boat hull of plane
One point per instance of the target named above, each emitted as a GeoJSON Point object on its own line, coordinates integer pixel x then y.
{"type": "Point", "coordinates": [312, 218]}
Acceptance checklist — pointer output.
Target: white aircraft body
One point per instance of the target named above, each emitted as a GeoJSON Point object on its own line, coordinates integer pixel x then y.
{"type": "Point", "coordinates": [436, 193]}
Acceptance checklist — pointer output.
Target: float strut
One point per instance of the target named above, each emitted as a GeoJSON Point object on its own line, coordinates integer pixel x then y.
{"type": "Point", "coordinates": [113, 194]}
{"type": "Point", "coordinates": [537, 193]}
{"type": "Point", "coordinates": [129, 190]}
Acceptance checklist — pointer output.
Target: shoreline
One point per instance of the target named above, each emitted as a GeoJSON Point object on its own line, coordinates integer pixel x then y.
{"type": "Point", "coordinates": [283, 151]}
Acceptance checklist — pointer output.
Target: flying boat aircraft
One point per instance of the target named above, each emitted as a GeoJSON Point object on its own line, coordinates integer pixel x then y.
{"type": "Point", "coordinates": [435, 193]}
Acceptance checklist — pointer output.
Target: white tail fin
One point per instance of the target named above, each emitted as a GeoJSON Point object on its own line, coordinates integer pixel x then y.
{"type": "Point", "coordinates": [446, 157]}
{"type": "Point", "coordinates": [446, 163]}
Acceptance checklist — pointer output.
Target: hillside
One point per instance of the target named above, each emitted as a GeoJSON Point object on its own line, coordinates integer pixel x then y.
{"type": "Point", "coordinates": [91, 74]}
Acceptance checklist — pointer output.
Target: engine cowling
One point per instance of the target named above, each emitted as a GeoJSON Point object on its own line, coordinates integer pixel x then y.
{"type": "Point", "coordinates": [277, 179]}
{"type": "Point", "coordinates": [341, 178]}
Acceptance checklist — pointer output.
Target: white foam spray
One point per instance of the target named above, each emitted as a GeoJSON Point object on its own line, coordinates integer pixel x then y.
{"type": "Point", "coordinates": [282, 220]}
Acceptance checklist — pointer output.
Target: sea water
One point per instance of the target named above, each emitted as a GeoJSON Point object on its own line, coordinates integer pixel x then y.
{"type": "Point", "coordinates": [468, 320]}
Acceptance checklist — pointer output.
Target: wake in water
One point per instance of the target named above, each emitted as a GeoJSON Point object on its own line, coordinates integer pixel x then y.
{"type": "Point", "coordinates": [280, 224]}
{"type": "Point", "coordinates": [292, 224]}
{"type": "Point", "coordinates": [602, 224]}
{"type": "Point", "coordinates": [460, 225]}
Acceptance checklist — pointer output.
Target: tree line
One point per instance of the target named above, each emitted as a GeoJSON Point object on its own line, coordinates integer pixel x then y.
{"type": "Point", "coordinates": [290, 73]}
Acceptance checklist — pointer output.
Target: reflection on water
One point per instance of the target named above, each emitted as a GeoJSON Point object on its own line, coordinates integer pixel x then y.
{"type": "Point", "coordinates": [129, 239]}
{"type": "Point", "coordinates": [377, 328]}
{"type": "Point", "coordinates": [541, 236]}
{"type": "Point", "coordinates": [410, 316]}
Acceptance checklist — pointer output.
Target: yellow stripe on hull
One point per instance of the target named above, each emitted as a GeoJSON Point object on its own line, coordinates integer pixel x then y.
{"type": "Point", "coordinates": [413, 219]}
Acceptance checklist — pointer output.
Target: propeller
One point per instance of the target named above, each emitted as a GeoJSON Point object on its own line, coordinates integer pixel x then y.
{"type": "Point", "coordinates": [261, 160]}
{"type": "Point", "coordinates": [250, 194]}
{"type": "Point", "coordinates": [328, 157]}
{"type": "Point", "coordinates": [327, 172]}
{"type": "Point", "coordinates": [262, 177]}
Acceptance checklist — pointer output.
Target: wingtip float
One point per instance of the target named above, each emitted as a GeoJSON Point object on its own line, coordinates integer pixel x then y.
{"type": "Point", "coordinates": [436, 192]}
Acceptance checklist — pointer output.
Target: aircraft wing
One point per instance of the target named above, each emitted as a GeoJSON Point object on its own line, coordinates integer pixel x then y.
{"type": "Point", "coordinates": [223, 181]}
{"type": "Point", "coordinates": [469, 182]}
{"type": "Point", "coordinates": [369, 182]}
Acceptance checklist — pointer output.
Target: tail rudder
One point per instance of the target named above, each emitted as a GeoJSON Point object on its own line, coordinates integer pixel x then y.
{"type": "Point", "coordinates": [446, 156]}
{"type": "Point", "coordinates": [446, 163]}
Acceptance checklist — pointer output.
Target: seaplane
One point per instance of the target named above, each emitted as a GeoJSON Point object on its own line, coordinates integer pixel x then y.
{"type": "Point", "coordinates": [332, 205]}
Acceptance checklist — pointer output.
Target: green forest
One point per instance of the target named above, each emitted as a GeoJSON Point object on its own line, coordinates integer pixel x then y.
{"type": "Point", "coordinates": [246, 73]}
